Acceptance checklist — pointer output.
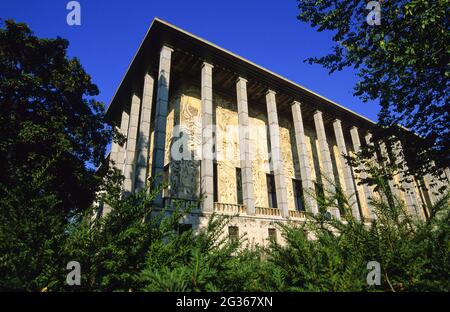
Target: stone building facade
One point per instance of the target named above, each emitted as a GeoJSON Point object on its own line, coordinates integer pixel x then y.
{"type": "Point", "coordinates": [244, 140]}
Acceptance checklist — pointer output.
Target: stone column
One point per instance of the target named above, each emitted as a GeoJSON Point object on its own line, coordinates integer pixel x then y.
{"type": "Point", "coordinates": [431, 188]}
{"type": "Point", "coordinates": [117, 155]}
{"type": "Point", "coordinates": [244, 146]}
{"type": "Point", "coordinates": [277, 161]}
{"type": "Point", "coordinates": [143, 143]}
{"type": "Point", "coordinates": [130, 158]}
{"type": "Point", "coordinates": [434, 183]}
{"type": "Point", "coordinates": [387, 163]}
{"type": "Point", "coordinates": [207, 180]}
{"type": "Point", "coordinates": [118, 151]}
{"type": "Point", "coordinates": [373, 159]}
{"type": "Point", "coordinates": [113, 154]}
{"type": "Point", "coordinates": [425, 198]}
{"type": "Point", "coordinates": [162, 102]}
{"type": "Point", "coordinates": [348, 177]}
{"type": "Point", "coordinates": [305, 166]}
{"type": "Point", "coordinates": [447, 174]}
{"type": "Point", "coordinates": [363, 175]}
{"type": "Point", "coordinates": [407, 186]}
{"type": "Point", "coordinates": [325, 158]}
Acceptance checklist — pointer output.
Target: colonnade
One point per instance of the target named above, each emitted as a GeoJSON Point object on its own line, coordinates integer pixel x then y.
{"type": "Point", "coordinates": [134, 156]}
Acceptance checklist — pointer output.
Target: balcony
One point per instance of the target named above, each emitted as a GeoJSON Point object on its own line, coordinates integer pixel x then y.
{"type": "Point", "coordinates": [295, 214]}
{"type": "Point", "coordinates": [265, 211]}
{"type": "Point", "coordinates": [230, 208]}
{"type": "Point", "coordinates": [182, 203]}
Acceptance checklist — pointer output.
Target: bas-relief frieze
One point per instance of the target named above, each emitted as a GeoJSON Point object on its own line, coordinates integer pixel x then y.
{"type": "Point", "coordinates": [313, 151]}
{"type": "Point", "coordinates": [259, 152]}
{"type": "Point", "coordinates": [288, 148]}
{"type": "Point", "coordinates": [337, 178]}
{"type": "Point", "coordinates": [227, 147]}
{"type": "Point", "coordinates": [191, 129]}
{"type": "Point", "coordinates": [359, 189]}
{"type": "Point", "coordinates": [183, 121]}
{"type": "Point", "coordinates": [338, 162]}
{"type": "Point", "coordinates": [185, 111]}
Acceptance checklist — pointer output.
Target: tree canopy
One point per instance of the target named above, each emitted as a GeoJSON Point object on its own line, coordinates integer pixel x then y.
{"type": "Point", "coordinates": [48, 117]}
{"type": "Point", "coordinates": [403, 63]}
{"type": "Point", "coordinates": [51, 127]}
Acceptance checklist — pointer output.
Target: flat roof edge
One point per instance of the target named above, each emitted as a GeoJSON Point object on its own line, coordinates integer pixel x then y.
{"type": "Point", "coordinates": [214, 46]}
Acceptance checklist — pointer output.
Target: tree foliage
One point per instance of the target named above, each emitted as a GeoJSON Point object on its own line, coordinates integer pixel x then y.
{"type": "Point", "coordinates": [331, 255]}
{"type": "Point", "coordinates": [50, 128]}
{"type": "Point", "coordinates": [403, 63]}
{"type": "Point", "coordinates": [48, 113]}
{"type": "Point", "coordinates": [139, 248]}
{"type": "Point", "coordinates": [136, 247]}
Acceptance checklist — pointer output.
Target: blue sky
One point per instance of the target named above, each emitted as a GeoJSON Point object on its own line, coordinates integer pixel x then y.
{"type": "Point", "coordinates": [265, 32]}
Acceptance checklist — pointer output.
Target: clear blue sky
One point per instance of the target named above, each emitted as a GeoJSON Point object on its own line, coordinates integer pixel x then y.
{"type": "Point", "coordinates": [265, 32]}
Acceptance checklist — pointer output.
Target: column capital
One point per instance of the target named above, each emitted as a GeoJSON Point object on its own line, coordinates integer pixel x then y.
{"type": "Point", "coordinates": [206, 64]}
{"type": "Point", "coordinates": [337, 120]}
{"type": "Point", "coordinates": [317, 112]}
{"type": "Point", "coordinates": [270, 91]}
{"type": "Point", "coordinates": [295, 102]}
{"type": "Point", "coordinates": [148, 75]}
{"type": "Point", "coordinates": [166, 47]}
{"type": "Point", "coordinates": [241, 79]}
{"type": "Point", "coordinates": [354, 128]}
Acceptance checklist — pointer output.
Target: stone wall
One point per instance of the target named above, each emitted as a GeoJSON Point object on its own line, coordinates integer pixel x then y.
{"type": "Point", "coordinates": [184, 120]}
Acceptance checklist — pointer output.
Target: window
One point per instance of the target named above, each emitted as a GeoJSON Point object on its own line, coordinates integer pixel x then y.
{"type": "Point", "coordinates": [273, 235]}
{"type": "Point", "coordinates": [340, 199]}
{"type": "Point", "coordinates": [271, 191]}
{"type": "Point", "coordinates": [184, 227]}
{"type": "Point", "coordinates": [215, 183]}
{"type": "Point", "coordinates": [233, 234]}
{"type": "Point", "coordinates": [166, 190]}
{"type": "Point", "coordinates": [240, 199]}
{"type": "Point", "coordinates": [298, 195]}
{"type": "Point", "coordinates": [320, 195]}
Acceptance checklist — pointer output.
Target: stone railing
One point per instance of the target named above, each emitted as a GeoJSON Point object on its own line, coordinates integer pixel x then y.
{"type": "Point", "coordinates": [297, 214]}
{"type": "Point", "coordinates": [231, 208]}
{"type": "Point", "coordinates": [172, 202]}
{"type": "Point", "coordinates": [267, 211]}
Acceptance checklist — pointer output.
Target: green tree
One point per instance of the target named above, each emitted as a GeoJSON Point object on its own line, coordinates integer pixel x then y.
{"type": "Point", "coordinates": [331, 255]}
{"type": "Point", "coordinates": [122, 252]}
{"type": "Point", "coordinates": [137, 247]}
{"type": "Point", "coordinates": [51, 128]}
{"type": "Point", "coordinates": [403, 63]}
